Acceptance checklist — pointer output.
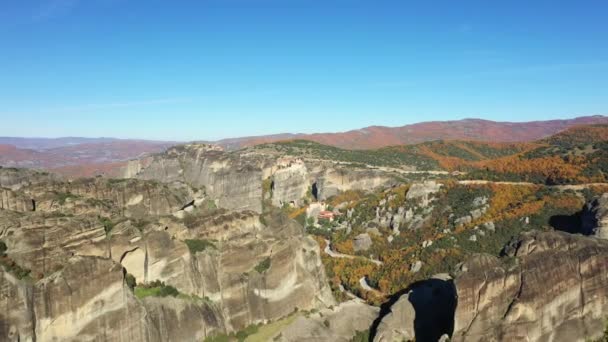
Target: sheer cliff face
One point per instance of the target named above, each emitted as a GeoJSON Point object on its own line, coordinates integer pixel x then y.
{"type": "Point", "coordinates": [235, 182]}
{"type": "Point", "coordinates": [42, 311]}
{"type": "Point", "coordinates": [228, 273]}
{"type": "Point", "coordinates": [88, 300]}
{"type": "Point", "coordinates": [555, 290]}
{"type": "Point", "coordinates": [129, 198]}
{"type": "Point", "coordinates": [11, 178]}
{"type": "Point", "coordinates": [236, 179]}
{"type": "Point", "coordinates": [290, 184]}
{"type": "Point", "coordinates": [84, 238]}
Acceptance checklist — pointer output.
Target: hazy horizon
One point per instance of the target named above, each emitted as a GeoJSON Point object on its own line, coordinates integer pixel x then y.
{"type": "Point", "coordinates": [223, 69]}
{"type": "Point", "coordinates": [136, 138]}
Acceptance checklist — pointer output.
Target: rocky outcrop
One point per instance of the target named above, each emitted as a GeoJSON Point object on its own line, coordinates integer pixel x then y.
{"type": "Point", "coordinates": [290, 184]}
{"type": "Point", "coordinates": [424, 313]}
{"type": "Point", "coordinates": [86, 301]}
{"type": "Point", "coordinates": [362, 242]}
{"type": "Point", "coordinates": [99, 196]}
{"type": "Point", "coordinates": [229, 273]}
{"type": "Point", "coordinates": [15, 201]}
{"type": "Point", "coordinates": [398, 324]}
{"type": "Point", "coordinates": [551, 287]}
{"type": "Point", "coordinates": [339, 323]}
{"type": "Point", "coordinates": [235, 181]}
{"type": "Point", "coordinates": [254, 272]}
{"type": "Point", "coordinates": [335, 179]}
{"type": "Point", "coordinates": [231, 268]}
{"type": "Point", "coordinates": [595, 217]}
{"type": "Point", "coordinates": [43, 244]}
{"type": "Point", "coordinates": [134, 198]}
{"type": "Point", "coordinates": [422, 192]}
{"type": "Point", "coordinates": [15, 179]}
{"type": "Point", "coordinates": [411, 213]}
{"type": "Point", "coordinates": [183, 319]}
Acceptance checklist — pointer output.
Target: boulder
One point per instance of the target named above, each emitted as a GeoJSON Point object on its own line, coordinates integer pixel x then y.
{"type": "Point", "coordinates": [362, 242]}
{"type": "Point", "coordinates": [479, 201]}
{"type": "Point", "coordinates": [476, 213]}
{"type": "Point", "coordinates": [463, 220]}
{"type": "Point", "coordinates": [416, 266]}
{"type": "Point", "coordinates": [489, 226]}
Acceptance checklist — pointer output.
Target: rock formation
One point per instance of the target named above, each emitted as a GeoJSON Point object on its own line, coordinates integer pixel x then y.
{"type": "Point", "coordinates": [67, 263]}
{"type": "Point", "coordinates": [550, 287]}
{"type": "Point", "coordinates": [398, 324]}
{"type": "Point", "coordinates": [422, 191]}
{"type": "Point", "coordinates": [338, 323]}
{"type": "Point", "coordinates": [424, 313]}
{"type": "Point", "coordinates": [236, 179]}
{"type": "Point", "coordinates": [290, 184]}
{"type": "Point", "coordinates": [362, 242]}
{"type": "Point", "coordinates": [595, 217]}
{"type": "Point", "coordinates": [235, 182]}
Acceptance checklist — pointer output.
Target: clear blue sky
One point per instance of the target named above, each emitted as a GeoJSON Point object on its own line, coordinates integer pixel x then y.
{"type": "Point", "coordinates": [211, 69]}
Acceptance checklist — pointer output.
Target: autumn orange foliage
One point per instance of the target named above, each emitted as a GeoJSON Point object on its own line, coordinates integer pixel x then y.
{"type": "Point", "coordinates": [448, 163]}
{"type": "Point", "coordinates": [297, 212]}
{"type": "Point", "coordinates": [553, 167]}
{"type": "Point", "coordinates": [581, 135]}
{"type": "Point", "coordinates": [345, 247]}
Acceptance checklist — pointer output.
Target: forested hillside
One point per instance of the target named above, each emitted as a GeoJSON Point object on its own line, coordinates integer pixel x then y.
{"type": "Point", "coordinates": [577, 155]}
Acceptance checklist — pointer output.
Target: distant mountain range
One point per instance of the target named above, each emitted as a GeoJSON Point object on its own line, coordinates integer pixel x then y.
{"type": "Point", "coordinates": [88, 156]}
{"type": "Point", "coordinates": [467, 129]}
{"type": "Point", "coordinates": [55, 153]}
{"type": "Point", "coordinates": [43, 144]}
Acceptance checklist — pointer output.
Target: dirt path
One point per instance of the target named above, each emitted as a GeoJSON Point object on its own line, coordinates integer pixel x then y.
{"type": "Point", "coordinates": [560, 187]}
{"type": "Point", "coordinates": [482, 182]}
{"type": "Point", "coordinates": [364, 285]}
{"type": "Point", "coordinates": [382, 168]}
{"type": "Point", "coordinates": [333, 254]}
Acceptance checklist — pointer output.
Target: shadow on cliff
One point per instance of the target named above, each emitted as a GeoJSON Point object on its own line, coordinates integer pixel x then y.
{"type": "Point", "coordinates": [314, 191]}
{"type": "Point", "coordinates": [434, 301]}
{"type": "Point", "coordinates": [567, 223]}
{"type": "Point", "coordinates": [573, 224]}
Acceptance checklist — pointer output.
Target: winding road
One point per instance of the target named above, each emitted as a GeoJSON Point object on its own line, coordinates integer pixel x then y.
{"type": "Point", "coordinates": [364, 285]}
{"type": "Point", "coordinates": [560, 187]}
{"type": "Point", "coordinates": [333, 254]}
